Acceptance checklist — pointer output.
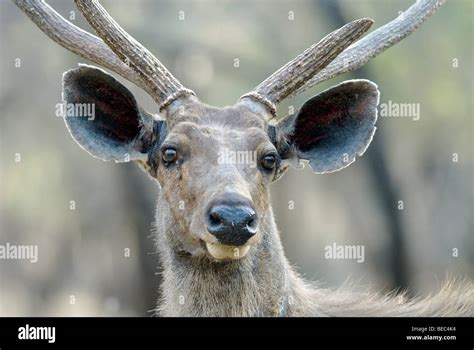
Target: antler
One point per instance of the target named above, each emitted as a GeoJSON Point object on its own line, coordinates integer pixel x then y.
{"type": "Point", "coordinates": [376, 42]}
{"type": "Point", "coordinates": [298, 71]}
{"type": "Point", "coordinates": [154, 74]}
{"type": "Point", "coordinates": [309, 69]}
{"type": "Point", "coordinates": [124, 55]}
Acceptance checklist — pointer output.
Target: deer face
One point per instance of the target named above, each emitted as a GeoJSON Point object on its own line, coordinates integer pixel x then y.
{"type": "Point", "coordinates": [215, 165]}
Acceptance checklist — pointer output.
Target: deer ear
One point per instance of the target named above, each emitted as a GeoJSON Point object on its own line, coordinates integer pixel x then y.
{"type": "Point", "coordinates": [103, 117]}
{"type": "Point", "coordinates": [332, 128]}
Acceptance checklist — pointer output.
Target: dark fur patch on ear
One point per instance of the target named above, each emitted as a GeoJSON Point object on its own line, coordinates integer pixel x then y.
{"type": "Point", "coordinates": [118, 129]}
{"type": "Point", "coordinates": [326, 117]}
{"type": "Point", "coordinates": [116, 111]}
{"type": "Point", "coordinates": [332, 128]}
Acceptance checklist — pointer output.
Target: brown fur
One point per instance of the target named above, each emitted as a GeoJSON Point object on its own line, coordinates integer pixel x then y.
{"type": "Point", "coordinates": [262, 283]}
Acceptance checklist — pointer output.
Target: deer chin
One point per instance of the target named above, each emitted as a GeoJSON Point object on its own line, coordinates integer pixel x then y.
{"type": "Point", "coordinates": [226, 252]}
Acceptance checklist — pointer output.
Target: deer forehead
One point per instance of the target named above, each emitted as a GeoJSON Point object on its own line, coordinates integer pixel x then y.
{"type": "Point", "coordinates": [239, 116]}
{"type": "Point", "coordinates": [217, 137]}
{"type": "Point", "coordinates": [236, 127]}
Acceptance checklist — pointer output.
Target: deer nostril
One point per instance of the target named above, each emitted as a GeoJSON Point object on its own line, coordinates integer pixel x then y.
{"type": "Point", "coordinates": [214, 219]}
{"type": "Point", "coordinates": [252, 225]}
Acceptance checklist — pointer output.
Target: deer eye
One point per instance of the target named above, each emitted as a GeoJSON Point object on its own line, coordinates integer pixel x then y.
{"type": "Point", "coordinates": [169, 155]}
{"type": "Point", "coordinates": [269, 162]}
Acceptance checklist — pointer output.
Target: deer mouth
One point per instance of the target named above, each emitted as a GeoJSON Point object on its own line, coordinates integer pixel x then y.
{"type": "Point", "coordinates": [226, 252]}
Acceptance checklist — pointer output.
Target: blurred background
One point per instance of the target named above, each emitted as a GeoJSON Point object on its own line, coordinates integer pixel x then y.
{"type": "Point", "coordinates": [408, 200]}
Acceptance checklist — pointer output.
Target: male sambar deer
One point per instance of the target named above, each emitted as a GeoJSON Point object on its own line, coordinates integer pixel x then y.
{"type": "Point", "coordinates": [216, 235]}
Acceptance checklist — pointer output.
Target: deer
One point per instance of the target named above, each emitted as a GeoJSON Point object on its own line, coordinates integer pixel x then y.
{"type": "Point", "coordinates": [215, 231]}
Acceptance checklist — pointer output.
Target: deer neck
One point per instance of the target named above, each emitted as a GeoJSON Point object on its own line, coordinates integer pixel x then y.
{"type": "Point", "coordinates": [256, 285]}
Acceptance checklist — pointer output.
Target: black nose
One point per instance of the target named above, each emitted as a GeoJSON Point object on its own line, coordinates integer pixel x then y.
{"type": "Point", "coordinates": [232, 223]}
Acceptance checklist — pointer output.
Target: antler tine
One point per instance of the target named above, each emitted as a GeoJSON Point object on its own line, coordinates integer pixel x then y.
{"type": "Point", "coordinates": [376, 42]}
{"type": "Point", "coordinates": [76, 40]}
{"type": "Point", "coordinates": [297, 72]}
{"type": "Point", "coordinates": [166, 88]}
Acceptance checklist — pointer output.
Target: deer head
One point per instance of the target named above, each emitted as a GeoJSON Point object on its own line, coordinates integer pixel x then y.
{"type": "Point", "coordinates": [221, 204]}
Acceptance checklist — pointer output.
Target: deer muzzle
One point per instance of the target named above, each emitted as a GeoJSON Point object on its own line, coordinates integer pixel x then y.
{"type": "Point", "coordinates": [232, 220]}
